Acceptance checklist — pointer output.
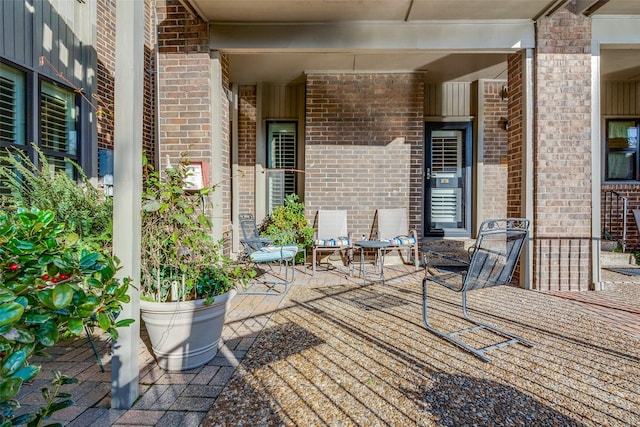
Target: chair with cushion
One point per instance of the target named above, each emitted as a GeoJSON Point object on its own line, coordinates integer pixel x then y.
{"type": "Point", "coordinates": [492, 262]}
{"type": "Point", "coordinates": [261, 252]}
{"type": "Point", "coordinates": [332, 235]}
{"type": "Point", "coordinates": [394, 229]}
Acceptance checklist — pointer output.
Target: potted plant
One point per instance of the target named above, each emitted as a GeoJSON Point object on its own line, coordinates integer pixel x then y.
{"type": "Point", "coordinates": [187, 282]}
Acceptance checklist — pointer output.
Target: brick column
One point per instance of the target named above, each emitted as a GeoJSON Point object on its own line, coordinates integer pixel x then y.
{"type": "Point", "coordinates": [562, 154]}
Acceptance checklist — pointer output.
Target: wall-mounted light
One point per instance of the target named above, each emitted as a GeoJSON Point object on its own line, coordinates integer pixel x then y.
{"type": "Point", "coordinates": [504, 93]}
{"type": "Point", "coordinates": [505, 123]}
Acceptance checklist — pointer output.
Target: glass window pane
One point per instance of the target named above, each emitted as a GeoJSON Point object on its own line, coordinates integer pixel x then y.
{"type": "Point", "coordinates": [57, 126]}
{"type": "Point", "coordinates": [621, 165]}
{"type": "Point", "coordinates": [12, 106]}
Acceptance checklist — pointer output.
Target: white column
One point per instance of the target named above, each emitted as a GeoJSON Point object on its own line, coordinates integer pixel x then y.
{"type": "Point", "coordinates": [527, 162]}
{"type": "Point", "coordinates": [596, 178]}
{"type": "Point", "coordinates": [216, 145]}
{"type": "Point", "coordinates": [129, 84]}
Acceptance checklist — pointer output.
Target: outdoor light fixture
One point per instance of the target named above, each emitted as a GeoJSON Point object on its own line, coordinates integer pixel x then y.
{"type": "Point", "coordinates": [504, 93]}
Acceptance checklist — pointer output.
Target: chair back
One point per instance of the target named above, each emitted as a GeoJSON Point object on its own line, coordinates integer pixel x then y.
{"type": "Point", "coordinates": [250, 233]}
{"type": "Point", "coordinates": [496, 253]}
{"type": "Point", "coordinates": [332, 224]}
{"type": "Point", "coordinates": [392, 223]}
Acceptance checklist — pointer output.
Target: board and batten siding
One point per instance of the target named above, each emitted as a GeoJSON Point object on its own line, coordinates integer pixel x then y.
{"type": "Point", "coordinates": [451, 99]}
{"type": "Point", "coordinates": [620, 98]}
{"type": "Point", "coordinates": [59, 30]}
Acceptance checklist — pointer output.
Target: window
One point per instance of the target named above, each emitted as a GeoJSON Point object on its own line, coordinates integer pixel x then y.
{"type": "Point", "coordinates": [55, 124]}
{"type": "Point", "coordinates": [621, 162]}
{"type": "Point", "coordinates": [281, 162]}
{"type": "Point", "coordinates": [12, 106]}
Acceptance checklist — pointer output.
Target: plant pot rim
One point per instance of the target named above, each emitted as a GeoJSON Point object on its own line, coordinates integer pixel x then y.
{"type": "Point", "coordinates": [170, 305]}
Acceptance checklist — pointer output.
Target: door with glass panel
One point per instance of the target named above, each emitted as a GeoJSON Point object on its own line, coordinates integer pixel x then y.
{"type": "Point", "coordinates": [447, 179]}
{"type": "Point", "coordinates": [281, 162]}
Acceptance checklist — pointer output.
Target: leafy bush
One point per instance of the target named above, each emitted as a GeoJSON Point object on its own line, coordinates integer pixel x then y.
{"type": "Point", "coordinates": [50, 288]}
{"type": "Point", "coordinates": [84, 210]}
{"type": "Point", "coordinates": [288, 225]}
{"type": "Point", "coordinates": [180, 259]}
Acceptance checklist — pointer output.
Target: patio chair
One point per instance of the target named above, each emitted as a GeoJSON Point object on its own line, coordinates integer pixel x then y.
{"type": "Point", "coordinates": [492, 262]}
{"type": "Point", "coordinates": [332, 235]}
{"type": "Point", "coordinates": [393, 228]}
{"type": "Point", "coordinates": [260, 251]}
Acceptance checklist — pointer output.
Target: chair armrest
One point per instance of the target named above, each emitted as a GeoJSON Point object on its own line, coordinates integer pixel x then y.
{"type": "Point", "coordinates": [256, 243]}
{"type": "Point", "coordinates": [426, 252]}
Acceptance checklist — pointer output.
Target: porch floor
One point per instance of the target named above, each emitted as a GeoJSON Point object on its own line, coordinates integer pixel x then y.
{"type": "Point", "coordinates": [333, 351]}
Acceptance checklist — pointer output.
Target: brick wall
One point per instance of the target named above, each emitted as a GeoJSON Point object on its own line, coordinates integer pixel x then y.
{"type": "Point", "coordinates": [494, 197]}
{"type": "Point", "coordinates": [364, 142]}
{"type": "Point", "coordinates": [562, 153]}
{"type": "Point", "coordinates": [185, 111]}
{"type": "Point", "coordinates": [247, 148]}
{"type": "Point", "coordinates": [104, 101]}
{"type": "Point", "coordinates": [515, 135]}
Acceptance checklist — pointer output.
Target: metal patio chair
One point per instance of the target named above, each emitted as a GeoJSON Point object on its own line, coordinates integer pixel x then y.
{"type": "Point", "coordinates": [393, 228]}
{"type": "Point", "coordinates": [261, 252]}
{"type": "Point", "coordinates": [492, 262]}
{"type": "Point", "coordinates": [333, 235]}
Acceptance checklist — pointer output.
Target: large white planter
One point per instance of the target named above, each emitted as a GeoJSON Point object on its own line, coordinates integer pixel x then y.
{"type": "Point", "coordinates": [185, 335]}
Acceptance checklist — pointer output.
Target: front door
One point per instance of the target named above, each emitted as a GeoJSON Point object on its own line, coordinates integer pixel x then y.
{"type": "Point", "coordinates": [448, 179]}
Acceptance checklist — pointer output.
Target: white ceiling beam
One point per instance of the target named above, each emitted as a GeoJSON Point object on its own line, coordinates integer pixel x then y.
{"type": "Point", "coordinates": [451, 35]}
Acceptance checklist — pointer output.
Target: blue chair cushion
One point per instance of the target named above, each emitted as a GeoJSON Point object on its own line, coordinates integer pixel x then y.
{"type": "Point", "coordinates": [274, 253]}
{"type": "Point", "coordinates": [339, 242]}
{"type": "Point", "coordinates": [401, 241]}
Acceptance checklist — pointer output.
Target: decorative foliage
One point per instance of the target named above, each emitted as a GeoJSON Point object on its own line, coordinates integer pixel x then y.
{"type": "Point", "coordinates": [287, 224]}
{"type": "Point", "coordinates": [180, 259]}
{"type": "Point", "coordinates": [82, 208]}
{"type": "Point", "coordinates": [50, 288]}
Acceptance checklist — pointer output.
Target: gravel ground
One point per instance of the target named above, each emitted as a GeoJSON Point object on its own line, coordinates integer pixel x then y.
{"type": "Point", "coordinates": [355, 355]}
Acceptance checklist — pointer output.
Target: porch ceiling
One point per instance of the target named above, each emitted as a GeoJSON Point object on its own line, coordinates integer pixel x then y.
{"type": "Point", "coordinates": [286, 65]}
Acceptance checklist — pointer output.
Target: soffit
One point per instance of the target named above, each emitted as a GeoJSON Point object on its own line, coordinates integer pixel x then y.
{"type": "Point", "coordinates": [364, 10]}
{"type": "Point", "coordinates": [442, 65]}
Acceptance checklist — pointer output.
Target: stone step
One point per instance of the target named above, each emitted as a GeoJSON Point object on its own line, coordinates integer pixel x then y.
{"type": "Point", "coordinates": [617, 259]}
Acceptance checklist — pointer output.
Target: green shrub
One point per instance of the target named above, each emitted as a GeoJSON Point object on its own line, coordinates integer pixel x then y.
{"type": "Point", "coordinates": [50, 288]}
{"type": "Point", "coordinates": [84, 210]}
{"type": "Point", "coordinates": [288, 225]}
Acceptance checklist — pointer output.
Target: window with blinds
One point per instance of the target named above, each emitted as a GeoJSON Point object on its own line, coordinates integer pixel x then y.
{"type": "Point", "coordinates": [12, 107]}
{"type": "Point", "coordinates": [281, 161]}
{"type": "Point", "coordinates": [446, 165]}
{"type": "Point", "coordinates": [57, 119]}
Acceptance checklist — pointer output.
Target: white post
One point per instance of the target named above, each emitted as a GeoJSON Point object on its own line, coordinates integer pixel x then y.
{"type": "Point", "coordinates": [129, 84]}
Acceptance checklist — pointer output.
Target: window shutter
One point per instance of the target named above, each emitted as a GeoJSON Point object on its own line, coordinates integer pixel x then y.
{"type": "Point", "coordinates": [54, 126]}
{"type": "Point", "coordinates": [282, 155]}
{"type": "Point", "coordinates": [12, 101]}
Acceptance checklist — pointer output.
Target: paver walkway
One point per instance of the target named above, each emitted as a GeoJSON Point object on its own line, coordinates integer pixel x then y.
{"type": "Point", "coordinates": [184, 398]}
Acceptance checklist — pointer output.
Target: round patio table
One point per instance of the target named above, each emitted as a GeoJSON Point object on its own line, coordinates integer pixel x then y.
{"type": "Point", "coordinates": [380, 246]}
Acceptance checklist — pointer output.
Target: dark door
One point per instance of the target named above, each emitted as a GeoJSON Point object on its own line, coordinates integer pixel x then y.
{"type": "Point", "coordinates": [448, 179]}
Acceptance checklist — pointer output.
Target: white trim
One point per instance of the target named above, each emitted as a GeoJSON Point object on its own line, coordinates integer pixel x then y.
{"type": "Point", "coordinates": [325, 36]}
{"type": "Point", "coordinates": [608, 29]}
{"type": "Point", "coordinates": [217, 166]}
{"type": "Point", "coordinates": [528, 164]}
{"type": "Point", "coordinates": [596, 167]}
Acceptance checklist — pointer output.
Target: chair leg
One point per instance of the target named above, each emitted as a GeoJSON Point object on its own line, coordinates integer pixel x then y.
{"type": "Point", "coordinates": [93, 347]}
{"type": "Point", "coordinates": [314, 262]}
{"type": "Point", "coordinates": [478, 352]}
{"type": "Point", "coordinates": [289, 265]}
